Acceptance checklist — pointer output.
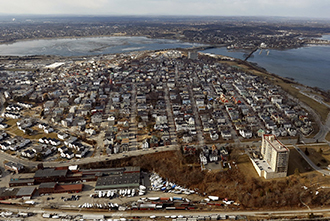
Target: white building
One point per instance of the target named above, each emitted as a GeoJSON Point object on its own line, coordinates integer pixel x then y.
{"type": "Point", "coordinates": [275, 158]}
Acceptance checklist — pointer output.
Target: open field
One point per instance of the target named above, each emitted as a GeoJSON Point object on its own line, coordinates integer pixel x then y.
{"type": "Point", "coordinates": [320, 155]}
{"type": "Point", "coordinates": [321, 109]}
{"type": "Point", "coordinates": [245, 165]}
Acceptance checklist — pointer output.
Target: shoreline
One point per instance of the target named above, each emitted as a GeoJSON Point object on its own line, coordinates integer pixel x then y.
{"type": "Point", "coordinates": [160, 38]}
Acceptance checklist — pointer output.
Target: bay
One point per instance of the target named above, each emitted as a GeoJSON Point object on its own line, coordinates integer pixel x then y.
{"type": "Point", "coordinates": [89, 46]}
{"type": "Point", "coordinates": [308, 65]}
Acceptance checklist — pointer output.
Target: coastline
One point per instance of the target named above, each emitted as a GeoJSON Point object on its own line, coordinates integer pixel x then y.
{"type": "Point", "coordinates": [149, 37]}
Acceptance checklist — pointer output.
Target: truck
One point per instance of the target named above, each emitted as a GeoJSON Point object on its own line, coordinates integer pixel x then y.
{"type": "Point", "coordinates": [30, 202]}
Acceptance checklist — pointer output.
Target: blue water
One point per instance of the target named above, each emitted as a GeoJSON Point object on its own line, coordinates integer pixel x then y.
{"type": "Point", "coordinates": [89, 46]}
{"type": "Point", "coordinates": [308, 65]}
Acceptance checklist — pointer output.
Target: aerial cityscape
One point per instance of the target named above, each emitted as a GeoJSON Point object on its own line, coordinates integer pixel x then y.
{"type": "Point", "coordinates": [165, 110]}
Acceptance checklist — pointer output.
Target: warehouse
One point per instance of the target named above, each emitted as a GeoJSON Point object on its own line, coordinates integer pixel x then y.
{"type": "Point", "coordinates": [52, 187]}
{"type": "Point", "coordinates": [122, 181]}
{"type": "Point", "coordinates": [8, 193]}
{"type": "Point", "coordinates": [26, 192]}
{"type": "Point", "coordinates": [50, 175]}
{"type": "Point", "coordinates": [23, 179]}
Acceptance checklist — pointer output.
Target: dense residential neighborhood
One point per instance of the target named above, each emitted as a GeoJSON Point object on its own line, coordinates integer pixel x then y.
{"type": "Point", "coordinates": [118, 103]}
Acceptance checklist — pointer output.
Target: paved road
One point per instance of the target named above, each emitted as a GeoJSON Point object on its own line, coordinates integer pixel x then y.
{"type": "Point", "coordinates": [132, 124]}
{"type": "Point", "coordinates": [318, 169]}
{"type": "Point", "coordinates": [7, 157]}
{"type": "Point", "coordinates": [170, 118]}
{"type": "Point", "coordinates": [126, 214]}
{"type": "Point", "coordinates": [198, 122]}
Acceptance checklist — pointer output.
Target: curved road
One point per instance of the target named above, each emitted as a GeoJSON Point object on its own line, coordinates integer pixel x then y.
{"type": "Point", "coordinates": [318, 169]}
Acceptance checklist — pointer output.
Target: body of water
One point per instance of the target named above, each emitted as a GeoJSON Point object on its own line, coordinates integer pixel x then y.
{"type": "Point", "coordinates": [89, 46]}
{"type": "Point", "coordinates": [307, 65]}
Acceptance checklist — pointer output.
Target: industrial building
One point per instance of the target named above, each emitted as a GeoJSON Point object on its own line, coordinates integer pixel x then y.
{"type": "Point", "coordinates": [13, 193]}
{"type": "Point", "coordinates": [26, 192]}
{"type": "Point", "coordinates": [53, 187]}
{"type": "Point", "coordinates": [52, 180]}
{"type": "Point", "coordinates": [22, 179]}
{"type": "Point", "coordinates": [50, 175]}
{"type": "Point", "coordinates": [119, 178]}
{"type": "Point", "coordinates": [275, 158]}
{"type": "Point", "coordinates": [120, 181]}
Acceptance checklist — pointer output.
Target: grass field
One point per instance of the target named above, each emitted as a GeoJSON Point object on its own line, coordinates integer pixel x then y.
{"type": "Point", "coordinates": [321, 109]}
{"type": "Point", "coordinates": [320, 155]}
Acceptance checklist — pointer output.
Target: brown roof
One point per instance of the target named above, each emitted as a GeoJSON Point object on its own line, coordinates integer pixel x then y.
{"type": "Point", "coordinates": [71, 187]}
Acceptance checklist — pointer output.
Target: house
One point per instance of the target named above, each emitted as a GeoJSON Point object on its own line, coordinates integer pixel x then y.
{"type": "Point", "coordinates": [203, 158]}
{"type": "Point", "coordinates": [145, 144]}
{"type": "Point", "coordinates": [187, 138]}
{"type": "Point", "coordinates": [154, 141]}
{"type": "Point", "coordinates": [15, 167]}
{"type": "Point", "coordinates": [245, 133]}
{"type": "Point", "coordinates": [144, 115]}
{"type": "Point", "coordinates": [96, 118]}
{"type": "Point", "coordinates": [62, 136]}
{"type": "Point", "coordinates": [48, 130]}
{"type": "Point", "coordinates": [62, 149]}
{"type": "Point", "coordinates": [44, 150]}
{"type": "Point", "coordinates": [224, 153]}
{"type": "Point", "coordinates": [214, 135]}
{"type": "Point", "coordinates": [82, 153]}
{"type": "Point", "coordinates": [109, 139]}
{"type": "Point", "coordinates": [29, 153]}
{"type": "Point", "coordinates": [90, 131]}
{"type": "Point", "coordinates": [226, 134]}
{"type": "Point", "coordinates": [70, 141]}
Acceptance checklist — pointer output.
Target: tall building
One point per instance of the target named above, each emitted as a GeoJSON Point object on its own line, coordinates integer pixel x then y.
{"type": "Point", "coordinates": [275, 158]}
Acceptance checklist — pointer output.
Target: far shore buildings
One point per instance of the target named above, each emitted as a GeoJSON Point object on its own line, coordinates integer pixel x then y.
{"type": "Point", "coordinates": [275, 158]}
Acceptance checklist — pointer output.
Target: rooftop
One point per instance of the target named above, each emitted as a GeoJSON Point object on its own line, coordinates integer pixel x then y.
{"type": "Point", "coordinates": [26, 191]}
{"type": "Point", "coordinates": [50, 173]}
{"type": "Point", "coordinates": [118, 181]}
{"type": "Point", "coordinates": [47, 185]}
{"type": "Point", "coordinates": [275, 143]}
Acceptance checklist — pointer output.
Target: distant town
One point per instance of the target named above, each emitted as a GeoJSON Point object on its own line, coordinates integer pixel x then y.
{"type": "Point", "coordinates": [234, 32]}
